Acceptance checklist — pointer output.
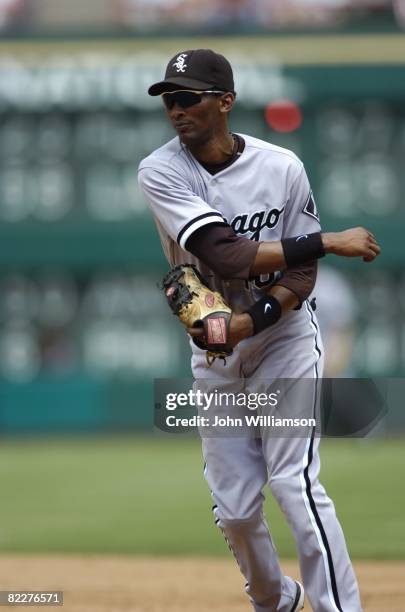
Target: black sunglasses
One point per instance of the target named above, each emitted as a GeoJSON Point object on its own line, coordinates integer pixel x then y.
{"type": "Point", "coordinates": [186, 97]}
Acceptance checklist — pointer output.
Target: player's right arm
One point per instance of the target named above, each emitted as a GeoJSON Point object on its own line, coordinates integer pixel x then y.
{"type": "Point", "coordinates": [355, 242]}
{"type": "Point", "coordinates": [202, 230]}
{"type": "Point", "coordinates": [228, 254]}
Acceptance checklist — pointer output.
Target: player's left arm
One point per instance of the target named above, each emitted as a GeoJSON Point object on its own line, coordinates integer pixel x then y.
{"type": "Point", "coordinates": [297, 283]}
{"type": "Point", "coordinates": [289, 293]}
{"type": "Point", "coordinates": [242, 325]}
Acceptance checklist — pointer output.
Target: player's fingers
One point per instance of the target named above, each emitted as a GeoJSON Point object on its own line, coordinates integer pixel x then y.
{"type": "Point", "coordinates": [370, 256]}
{"type": "Point", "coordinates": [375, 248]}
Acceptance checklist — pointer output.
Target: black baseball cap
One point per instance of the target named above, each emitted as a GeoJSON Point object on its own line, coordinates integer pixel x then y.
{"type": "Point", "coordinates": [196, 69]}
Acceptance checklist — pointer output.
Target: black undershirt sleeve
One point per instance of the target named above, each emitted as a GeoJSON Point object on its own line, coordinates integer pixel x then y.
{"type": "Point", "coordinates": [231, 256]}
{"type": "Point", "coordinates": [300, 279]}
{"type": "Point", "coordinates": [219, 248]}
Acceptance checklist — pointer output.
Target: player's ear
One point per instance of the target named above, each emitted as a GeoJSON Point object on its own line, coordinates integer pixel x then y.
{"type": "Point", "coordinates": [226, 102]}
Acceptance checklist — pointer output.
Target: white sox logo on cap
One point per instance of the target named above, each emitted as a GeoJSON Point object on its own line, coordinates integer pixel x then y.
{"type": "Point", "coordinates": [195, 69]}
{"type": "Point", "coordinates": [180, 63]}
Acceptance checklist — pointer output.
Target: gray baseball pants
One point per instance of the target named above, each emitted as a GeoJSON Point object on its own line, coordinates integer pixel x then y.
{"type": "Point", "coordinates": [238, 468]}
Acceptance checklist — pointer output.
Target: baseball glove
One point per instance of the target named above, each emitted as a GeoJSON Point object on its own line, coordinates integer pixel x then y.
{"type": "Point", "coordinates": [196, 305]}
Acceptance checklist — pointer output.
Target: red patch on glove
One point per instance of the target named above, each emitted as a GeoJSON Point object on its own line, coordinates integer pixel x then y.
{"type": "Point", "coordinates": [216, 331]}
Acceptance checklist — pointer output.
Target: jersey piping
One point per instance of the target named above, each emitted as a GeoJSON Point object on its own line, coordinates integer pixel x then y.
{"type": "Point", "coordinates": [193, 225]}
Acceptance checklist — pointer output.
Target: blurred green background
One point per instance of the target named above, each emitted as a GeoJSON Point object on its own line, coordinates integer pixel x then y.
{"type": "Point", "coordinates": [84, 329]}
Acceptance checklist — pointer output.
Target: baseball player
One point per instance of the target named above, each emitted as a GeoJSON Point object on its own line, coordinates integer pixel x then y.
{"type": "Point", "coordinates": [242, 211]}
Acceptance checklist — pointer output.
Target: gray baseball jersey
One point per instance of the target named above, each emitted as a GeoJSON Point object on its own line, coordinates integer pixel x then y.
{"type": "Point", "coordinates": [265, 196]}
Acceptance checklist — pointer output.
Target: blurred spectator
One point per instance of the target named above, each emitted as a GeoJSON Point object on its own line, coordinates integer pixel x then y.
{"type": "Point", "coordinates": [399, 12]}
{"type": "Point", "coordinates": [72, 15]}
{"type": "Point", "coordinates": [13, 14]}
{"type": "Point", "coordinates": [152, 14]}
{"type": "Point", "coordinates": [310, 13]}
{"type": "Point", "coordinates": [336, 313]}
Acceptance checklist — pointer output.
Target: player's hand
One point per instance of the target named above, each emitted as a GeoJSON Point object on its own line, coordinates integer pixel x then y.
{"type": "Point", "coordinates": [240, 327]}
{"type": "Point", "coordinates": [355, 242]}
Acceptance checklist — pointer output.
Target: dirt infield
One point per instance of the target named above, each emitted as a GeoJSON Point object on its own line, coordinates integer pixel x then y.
{"type": "Point", "coordinates": [118, 584]}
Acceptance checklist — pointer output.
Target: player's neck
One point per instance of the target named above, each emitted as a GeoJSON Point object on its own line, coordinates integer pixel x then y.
{"type": "Point", "coordinates": [215, 151]}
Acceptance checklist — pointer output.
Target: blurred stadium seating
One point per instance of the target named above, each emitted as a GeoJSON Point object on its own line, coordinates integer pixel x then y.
{"type": "Point", "coordinates": [212, 15]}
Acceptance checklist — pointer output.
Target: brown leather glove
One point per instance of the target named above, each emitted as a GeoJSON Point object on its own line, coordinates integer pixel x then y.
{"type": "Point", "coordinates": [196, 305]}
